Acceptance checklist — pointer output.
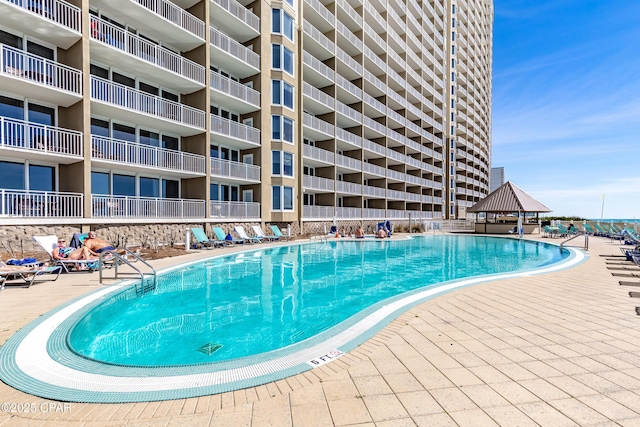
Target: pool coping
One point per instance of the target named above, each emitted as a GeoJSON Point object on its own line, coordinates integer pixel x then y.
{"type": "Point", "coordinates": [35, 361]}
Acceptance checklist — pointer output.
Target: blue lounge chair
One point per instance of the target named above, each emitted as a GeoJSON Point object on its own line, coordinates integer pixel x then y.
{"type": "Point", "coordinates": [203, 240]}
{"type": "Point", "coordinates": [222, 236]}
{"type": "Point", "coordinates": [276, 232]}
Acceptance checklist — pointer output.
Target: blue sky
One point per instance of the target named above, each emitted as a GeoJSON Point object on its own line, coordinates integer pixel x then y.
{"type": "Point", "coordinates": [566, 103]}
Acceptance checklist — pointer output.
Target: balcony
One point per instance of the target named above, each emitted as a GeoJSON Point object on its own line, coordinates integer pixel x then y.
{"type": "Point", "coordinates": [144, 58]}
{"type": "Point", "coordinates": [317, 101]}
{"type": "Point", "coordinates": [234, 19]}
{"type": "Point", "coordinates": [235, 171]}
{"type": "Point", "coordinates": [234, 133]}
{"type": "Point", "coordinates": [56, 21]}
{"type": "Point", "coordinates": [318, 212]}
{"type": "Point", "coordinates": [157, 19]}
{"type": "Point", "coordinates": [317, 156]}
{"type": "Point", "coordinates": [316, 129]}
{"type": "Point", "coordinates": [234, 95]}
{"type": "Point", "coordinates": [124, 103]}
{"type": "Point", "coordinates": [39, 204]}
{"type": "Point", "coordinates": [317, 43]}
{"type": "Point", "coordinates": [131, 156]}
{"type": "Point", "coordinates": [33, 141]}
{"type": "Point", "coordinates": [318, 184]}
{"type": "Point", "coordinates": [123, 207]}
{"type": "Point", "coordinates": [235, 210]}
{"type": "Point", "coordinates": [348, 213]}
{"type": "Point", "coordinates": [232, 56]}
{"type": "Point", "coordinates": [316, 72]}
{"type": "Point", "coordinates": [351, 188]}
{"type": "Point", "coordinates": [35, 77]}
{"type": "Point", "coordinates": [319, 15]}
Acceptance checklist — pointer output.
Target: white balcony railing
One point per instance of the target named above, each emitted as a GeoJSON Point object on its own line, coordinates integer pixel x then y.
{"type": "Point", "coordinates": [319, 154]}
{"type": "Point", "coordinates": [318, 95]}
{"type": "Point", "coordinates": [317, 65]}
{"type": "Point", "coordinates": [317, 124]}
{"type": "Point", "coordinates": [145, 207]}
{"type": "Point", "coordinates": [233, 129]}
{"type": "Point", "coordinates": [40, 204]}
{"type": "Point", "coordinates": [131, 153]}
{"type": "Point", "coordinates": [18, 63]}
{"type": "Point", "coordinates": [126, 97]}
{"type": "Point", "coordinates": [58, 11]}
{"type": "Point", "coordinates": [240, 12]}
{"type": "Point", "coordinates": [229, 169]}
{"type": "Point", "coordinates": [316, 35]}
{"type": "Point", "coordinates": [348, 213]}
{"type": "Point", "coordinates": [318, 211]}
{"type": "Point", "coordinates": [233, 48]}
{"type": "Point", "coordinates": [145, 50]}
{"type": "Point", "coordinates": [234, 210]}
{"type": "Point", "coordinates": [318, 183]}
{"type": "Point", "coordinates": [19, 134]}
{"type": "Point", "coordinates": [176, 15]}
{"type": "Point", "coordinates": [238, 90]}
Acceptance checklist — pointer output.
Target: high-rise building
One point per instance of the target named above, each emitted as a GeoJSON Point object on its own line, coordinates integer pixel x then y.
{"type": "Point", "coordinates": [218, 111]}
{"type": "Point", "coordinates": [496, 179]}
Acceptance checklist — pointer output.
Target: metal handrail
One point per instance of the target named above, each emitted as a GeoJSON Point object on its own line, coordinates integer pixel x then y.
{"type": "Point", "coordinates": [586, 240]}
{"type": "Point", "coordinates": [124, 260]}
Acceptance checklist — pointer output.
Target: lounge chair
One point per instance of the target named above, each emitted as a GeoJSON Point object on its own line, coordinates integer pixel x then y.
{"type": "Point", "coordinates": [243, 235]}
{"type": "Point", "coordinates": [276, 232]}
{"type": "Point", "coordinates": [203, 240]}
{"type": "Point", "coordinates": [48, 243]}
{"type": "Point", "coordinates": [32, 275]}
{"type": "Point", "coordinates": [222, 236]}
{"type": "Point", "coordinates": [260, 234]}
{"type": "Point", "coordinates": [589, 229]}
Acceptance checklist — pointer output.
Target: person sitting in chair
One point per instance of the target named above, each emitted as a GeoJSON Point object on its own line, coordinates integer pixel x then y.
{"type": "Point", "coordinates": [96, 245]}
{"type": "Point", "coordinates": [62, 251]}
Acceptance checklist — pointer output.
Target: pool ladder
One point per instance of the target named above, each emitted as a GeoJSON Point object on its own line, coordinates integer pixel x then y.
{"type": "Point", "coordinates": [320, 237]}
{"type": "Point", "coordinates": [145, 285]}
{"type": "Point", "coordinates": [586, 240]}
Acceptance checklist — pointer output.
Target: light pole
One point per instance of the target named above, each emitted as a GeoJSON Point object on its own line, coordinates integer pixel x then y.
{"type": "Point", "coordinates": [602, 210]}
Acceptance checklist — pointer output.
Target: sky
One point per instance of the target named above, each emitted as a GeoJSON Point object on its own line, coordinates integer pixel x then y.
{"type": "Point", "coordinates": [566, 103]}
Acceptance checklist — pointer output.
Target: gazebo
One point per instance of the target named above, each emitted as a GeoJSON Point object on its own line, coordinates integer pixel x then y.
{"type": "Point", "coordinates": [507, 204]}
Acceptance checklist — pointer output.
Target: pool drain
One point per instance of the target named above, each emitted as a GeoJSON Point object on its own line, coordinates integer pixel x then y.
{"type": "Point", "coordinates": [209, 348]}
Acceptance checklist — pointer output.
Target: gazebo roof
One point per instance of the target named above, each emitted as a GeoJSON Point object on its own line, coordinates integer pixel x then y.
{"type": "Point", "coordinates": [508, 198]}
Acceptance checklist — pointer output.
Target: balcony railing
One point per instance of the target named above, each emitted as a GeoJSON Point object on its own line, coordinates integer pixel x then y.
{"type": "Point", "coordinates": [233, 48]}
{"type": "Point", "coordinates": [317, 124]}
{"type": "Point", "coordinates": [233, 129]}
{"type": "Point", "coordinates": [319, 154]}
{"type": "Point", "coordinates": [145, 50]}
{"type": "Point", "coordinates": [318, 183]}
{"type": "Point", "coordinates": [145, 207]}
{"type": "Point", "coordinates": [240, 12]}
{"type": "Point", "coordinates": [58, 11]}
{"type": "Point", "coordinates": [24, 135]}
{"type": "Point", "coordinates": [229, 169]}
{"type": "Point", "coordinates": [317, 65]}
{"type": "Point", "coordinates": [131, 153]}
{"type": "Point", "coordinates": [348, 213]}
{"type": "Point", "coordinates": [40, 204]}
{"type": "Point", "coordinates": [126, 97]}
{"type": "Point", "coordinates": [316, 35]}
{"type": "Point", "coordinates": [176, 15]}
{"type": "Point", "coordinates": [234, 210]}
{"type": "Point", "coordinates": [18, 63]}
{"type": "Point", "coordinates": [238, 90]}
{"type": "Point", "coordinates": [318, 211]}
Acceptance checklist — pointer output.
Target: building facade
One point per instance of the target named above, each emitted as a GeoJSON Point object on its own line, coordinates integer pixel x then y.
{"type": "Point", "coordinates": [296, 112]}
{"type": "Point", "coordinates": [496, 179]}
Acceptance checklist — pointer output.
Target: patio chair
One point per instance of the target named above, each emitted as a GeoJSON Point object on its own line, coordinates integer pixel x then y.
{"type": "Point", "coordinates": [260, 234]}
{"type": "Point", "coordinates": [243, 235]}
{"type": "Point", "coordinates": [276, 232]}
{"type": "Point", "coordinates": [203, 240]}
{"type": "Point", "coordinates": [222, 236]}
{"type": "Point", "coordinates": [48, 243]}
{"type": "Point", "coordinates": [31, 275]}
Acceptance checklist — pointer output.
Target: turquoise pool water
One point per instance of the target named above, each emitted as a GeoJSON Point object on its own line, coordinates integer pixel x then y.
{"type": "Point", "coordinates": [241, 305]}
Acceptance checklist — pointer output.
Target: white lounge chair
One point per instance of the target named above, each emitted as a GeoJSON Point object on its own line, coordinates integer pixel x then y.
{"type": "Point", "coordinates": [260, 234]}
{"type": "Point", "coordinates": [243, 235]}
{"type": "Point", "coordinates": [49, 243]}
{"type": "Point", "coordinates": [31, 275]}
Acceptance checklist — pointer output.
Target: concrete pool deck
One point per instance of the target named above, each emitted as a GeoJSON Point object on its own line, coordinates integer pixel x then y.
{"type": "Point", "coordinates": [555, 349]}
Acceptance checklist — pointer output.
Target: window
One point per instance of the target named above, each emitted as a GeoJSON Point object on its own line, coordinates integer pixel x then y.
{"type": "Point", "coordinates": [282, 93]}
{"type": "Point", "coordinates": [149, 187]}
{"type": "Point", "coordinates": [281, 23]}
{"type": "Point", "coordinates": [124, 185]}
{"type": "Point", "coordinates": [282, 163]}
{"type": "Point", "coordinates": [453, 36]}
{"type": "Point", "coordinates": [289, 2]}
{"type": "Point", "coordinates": [282, 58]}
{"type": "Point", "coordinates": [282, 198]}
{"type": "Point", "coordinates": [282, 128]}
{"type": "Point", "coordinates": [41, 178]}
{"type": "Point", "coordinates": [99, 183]}
{"type": "Point", "coordinates": [13, 175]}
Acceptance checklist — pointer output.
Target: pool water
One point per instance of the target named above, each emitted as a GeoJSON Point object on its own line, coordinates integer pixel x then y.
{"type": "Point", "coordinates": [250, 303]}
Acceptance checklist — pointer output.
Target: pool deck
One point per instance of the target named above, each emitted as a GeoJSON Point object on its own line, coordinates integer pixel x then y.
{"type": "Point", "coordinates": [560, 349]}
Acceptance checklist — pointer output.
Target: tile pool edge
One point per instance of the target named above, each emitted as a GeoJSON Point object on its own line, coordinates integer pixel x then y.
{"type": "Point", "coordinates": [27, 365]}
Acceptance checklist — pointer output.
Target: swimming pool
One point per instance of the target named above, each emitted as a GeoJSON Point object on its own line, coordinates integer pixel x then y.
{"type": "Point", "coordinates": [241, 320]}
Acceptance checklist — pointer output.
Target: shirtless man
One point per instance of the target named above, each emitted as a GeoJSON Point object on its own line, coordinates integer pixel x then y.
{"type": "Point", "coordinates": [359, 233]}
{"type": "Point", "coordinates": [96, 245]}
